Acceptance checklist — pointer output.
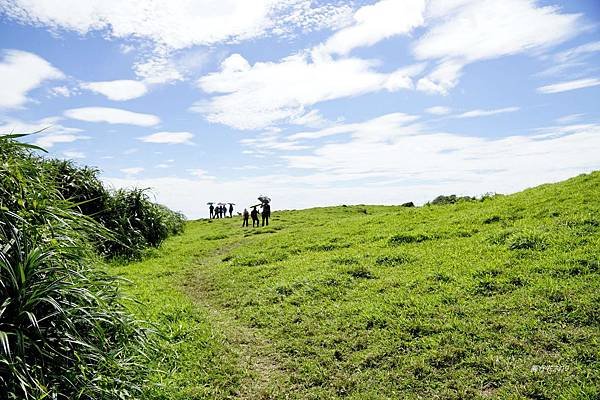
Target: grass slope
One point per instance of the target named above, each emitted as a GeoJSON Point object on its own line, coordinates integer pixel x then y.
{"type": "Point", "coordinates": [492, 299]}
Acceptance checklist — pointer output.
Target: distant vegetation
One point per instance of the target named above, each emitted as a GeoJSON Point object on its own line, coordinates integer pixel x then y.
{"type": "Point", "coordinates": [64, 331]}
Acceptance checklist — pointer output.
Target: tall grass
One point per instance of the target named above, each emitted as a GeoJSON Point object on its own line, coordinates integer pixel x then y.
{"type": "Point", "coordinates": [64, 331]}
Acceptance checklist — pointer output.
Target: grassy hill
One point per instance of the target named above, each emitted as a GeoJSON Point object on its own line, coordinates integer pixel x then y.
{"type": "Point", "coordinates": [497, 298]}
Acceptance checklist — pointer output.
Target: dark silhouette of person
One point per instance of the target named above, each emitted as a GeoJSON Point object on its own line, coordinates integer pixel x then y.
{"type": "Point", "coordinates": [221, 212]}
{"type": "Point", "coordinates": [230, 210]}
{"type": "Point", "coordinates": [254, 215]}
{"type": "Point", "coordinates": [266, 213]}
{"type": "Point", "coordinates": [246, 215]}
{"type": "Point", "coordinates": [212, 211]}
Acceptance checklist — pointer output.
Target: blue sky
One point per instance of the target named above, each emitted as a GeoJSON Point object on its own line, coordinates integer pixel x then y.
{"type": "Point", "coordinates": [311, 102]}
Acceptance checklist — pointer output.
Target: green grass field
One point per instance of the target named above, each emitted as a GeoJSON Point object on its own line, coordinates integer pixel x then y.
{"type": "Point", "coordinates": [488, 299]}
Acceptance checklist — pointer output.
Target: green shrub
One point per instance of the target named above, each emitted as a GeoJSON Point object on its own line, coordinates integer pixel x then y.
{"type": "Point", "coordinates": [402, 238]}
{"type": "Point", "coordinates": [64, 333]}
{"type": "Point", "coordinates": [137, 223]}
{"type": "Point", "coordinates": [451, 199]}
{"type": "Point", "coordinates": [527, 240]}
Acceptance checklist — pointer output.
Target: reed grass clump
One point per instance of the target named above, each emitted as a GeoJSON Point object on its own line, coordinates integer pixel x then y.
{"type": "Point", "coordinates": [65, 332]}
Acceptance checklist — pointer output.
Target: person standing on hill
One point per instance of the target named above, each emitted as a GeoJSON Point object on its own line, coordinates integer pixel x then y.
{"type": "Point", "coordinates": [266, 213]}
{"type": "Point", "coordinates": [246, 215]}
{"type": "Point", "coordinates": [211, 210]}
{"type": "Point", "coordinates": [230, 210]}
{"type": "Point", "coordinates": [254, 215]}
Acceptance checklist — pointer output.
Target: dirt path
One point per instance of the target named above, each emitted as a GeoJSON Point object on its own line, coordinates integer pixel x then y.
{"type": "Point", "coordinates": [264, 376]}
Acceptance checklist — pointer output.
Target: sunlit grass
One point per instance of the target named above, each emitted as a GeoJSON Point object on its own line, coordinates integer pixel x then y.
{"type": "Point", "coordinates": [494, 298]}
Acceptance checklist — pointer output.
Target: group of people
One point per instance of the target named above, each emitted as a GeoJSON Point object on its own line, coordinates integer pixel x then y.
{"type": "Point", "coordinates": [265, 214]}
{"type": "Point", "coordinates": [220, 211]}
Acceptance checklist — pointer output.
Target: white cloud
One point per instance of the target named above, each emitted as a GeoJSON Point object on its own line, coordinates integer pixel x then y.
{"type": "Point", "coordinates": [438, 110]}
{"type": "Point", "coordinates": [73, 154]}
{"type": "Point", "coordinates": [174, 25]}
{"type": "Point", "coordinates": [465, 31]}
{"type": "Point", "coordinates": [158, 69]}
{"type": "Point", "coordinates": [376, 22]}
{"type": "Point", "coordinates": [49, 140]}
{"type": "Point", "coordinates": [266, 93]}
{"type": "Point", "coordinates": [132, 170]}
{"type": "Point", "coordinates": [485, 113]}
{"type": "Point", "coordinates": [63, 91]}
{"type": "Point", "coordinates": [112, 116]}
{"type": "Point", "coordinates": [118, 90]}
{"type": "Point", "coordinates": [53, 132]}
{"type": "Point", "coordinates": [570, 85]}
{"type": "Point", "coordinates": [569, 118]}
{"type": "Point", "coordinates": [411, 154]}
{"type": "Point", "coordinates": [375, 129]}
{"type": "Point", "coordinates": [126, 48]}
{"type": "Point", "coordinates": [246, 96]}
{"type": "Point", "coordinates": [168, 138]}
{"type": "Point", "coordinates": [197, 172]}
{"type": "Point", "coordinates": [577, 52]}
{"type": "Point", "coordinates": [21, 72]}
{"type": "Point", "coordinates": [443, 78]}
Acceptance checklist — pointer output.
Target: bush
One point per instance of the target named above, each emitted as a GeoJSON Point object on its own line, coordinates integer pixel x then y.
{"type": "Point", "coordinates": [64, 333]}
{"type": "Point", "coordinates": [452, 199]}
{"type": "Point", "coordinates": [137, 223]}
{"type": "Point", "coordinates": [80, 185]}
{"type": "Point", "coordinates": [527, 240]}
{"type": "Point", "coordinates": [402, 238]}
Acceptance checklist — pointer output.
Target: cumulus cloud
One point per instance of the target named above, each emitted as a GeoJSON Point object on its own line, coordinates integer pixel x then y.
{"type": "Point", "coordinates": [168, 138]}
{"type": "Point", "coordinates": [485, 113]}
{"type": "Point", "coordinates": [118, 90]}
{"type": "Point", "coordinates": [256, 96]}
{"type": "Point", "coordinates": [465, 31]}
{"type": "Point", "coordinates": [174, 25]}
{"type": "Point", "coordinates": [112, 116]}
{"type": "Point", "coordinates": [21, 72]}
{"type": "Point", "coordinates": [569, 85]}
